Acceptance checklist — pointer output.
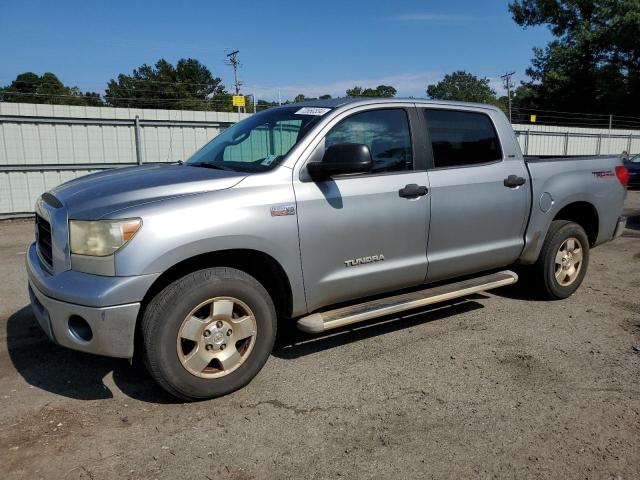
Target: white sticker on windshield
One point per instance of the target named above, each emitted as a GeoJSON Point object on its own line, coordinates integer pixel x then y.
{"type": "Point", "coordinates": [312, 111]}
{"type": "Point", "coordinates": [268, 160]}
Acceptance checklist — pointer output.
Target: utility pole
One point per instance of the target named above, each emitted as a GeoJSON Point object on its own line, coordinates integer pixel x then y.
{"type": "Point", "coordinates": [506, 78]}
{"type": "Point", "coordinates": [235, 63]}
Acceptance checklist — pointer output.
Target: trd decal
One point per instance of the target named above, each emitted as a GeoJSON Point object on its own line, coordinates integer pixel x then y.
{"type": "Point", "coordinates": [603, 174]}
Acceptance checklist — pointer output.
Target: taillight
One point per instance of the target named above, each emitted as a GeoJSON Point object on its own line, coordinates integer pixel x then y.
{"type": "Point", "coordinates": [623, 175]}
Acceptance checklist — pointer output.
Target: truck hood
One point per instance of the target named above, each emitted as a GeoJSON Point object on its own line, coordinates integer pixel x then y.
{"type": "Point", "coordinates": [96, 195]}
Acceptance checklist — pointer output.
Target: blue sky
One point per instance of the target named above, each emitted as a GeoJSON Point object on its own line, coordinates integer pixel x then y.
{"type": "Point", "coordinates": [293, 47]}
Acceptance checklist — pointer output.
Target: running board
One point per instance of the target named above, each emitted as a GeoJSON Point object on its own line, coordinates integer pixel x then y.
{"type": "Point", "coordinates": [323, 321]}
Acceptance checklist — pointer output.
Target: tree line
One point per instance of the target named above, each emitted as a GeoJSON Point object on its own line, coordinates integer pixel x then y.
{"type": "Point", "coordinates": [591, 65]}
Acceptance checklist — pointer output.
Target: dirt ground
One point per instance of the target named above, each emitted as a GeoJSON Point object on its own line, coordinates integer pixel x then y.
{"type": "Point", "coordinates": [496, 385]}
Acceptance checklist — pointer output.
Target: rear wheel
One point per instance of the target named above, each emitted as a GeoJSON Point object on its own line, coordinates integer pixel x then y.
{"type": "Point", "coordinates": [563, 261]}
{"type": "Point", "coordinates": [209, 333]}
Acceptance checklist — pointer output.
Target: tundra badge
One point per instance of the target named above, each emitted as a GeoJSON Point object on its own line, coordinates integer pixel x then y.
{"type": "Point", "coordinates": [362, 260]}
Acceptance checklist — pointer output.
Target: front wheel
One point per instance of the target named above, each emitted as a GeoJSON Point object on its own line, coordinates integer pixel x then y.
{"type": "Point", "coordinates": [208, 333]}
{"type": "Point", "coordinates": [563, 261]}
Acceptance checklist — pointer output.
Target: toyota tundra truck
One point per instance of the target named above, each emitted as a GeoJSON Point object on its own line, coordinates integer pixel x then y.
{"type": "Point", "coordinates": [317, 214]}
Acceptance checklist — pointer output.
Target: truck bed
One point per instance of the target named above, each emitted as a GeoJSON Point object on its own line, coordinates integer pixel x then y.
{"type": "Point", "coordinates": [557, 181]}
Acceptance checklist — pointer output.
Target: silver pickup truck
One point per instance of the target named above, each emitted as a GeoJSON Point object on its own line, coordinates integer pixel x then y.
{"type": "Point", "coordinates": [323, 214]}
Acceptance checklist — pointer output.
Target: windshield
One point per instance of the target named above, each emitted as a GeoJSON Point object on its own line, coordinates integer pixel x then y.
{"type": "Point", "coordinates": [634, 159]}
{"type": "Point", "coordinates": [260, 142]}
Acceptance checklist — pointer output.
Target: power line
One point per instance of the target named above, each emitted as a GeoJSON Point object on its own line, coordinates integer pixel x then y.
{"type": "Point", "coordinates": [108, 97]}
{"type": "Point", "coordinates": [144, 80]}
{"type": "Point", "coordinates": [570, 113]}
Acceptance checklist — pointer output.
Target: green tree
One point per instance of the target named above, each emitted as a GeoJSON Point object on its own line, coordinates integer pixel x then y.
{"type": "Point", "coordinates": [31, 88]}
{"type": "Point", "coordinates": [463, 87]}
{"type": "Point", "coordinates": [187, 86]}
{"type": "Point", "coordinates": [301, 98]}
{"type": "Point", "coordinates": [593, 64]}
{"type": "Point", "coordinates": [386, 91]}
{"type": "Point", "coordinates": [264, 104]}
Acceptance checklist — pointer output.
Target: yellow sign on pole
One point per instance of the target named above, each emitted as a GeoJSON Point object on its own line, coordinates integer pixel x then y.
{"type": "Point", "coordinates": [533, 118]}
{"type": "Point", "coordinates": [238, 101]}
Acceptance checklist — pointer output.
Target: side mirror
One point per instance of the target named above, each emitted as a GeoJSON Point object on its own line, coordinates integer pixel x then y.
{"type": "Point", "coordinates": [341, 158]}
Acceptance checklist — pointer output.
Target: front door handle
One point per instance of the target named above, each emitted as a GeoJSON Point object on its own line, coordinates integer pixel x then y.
{"type": "Point", "coordinates": [413, 190]}
{"type": "Point", "coordinates": [513, 181]}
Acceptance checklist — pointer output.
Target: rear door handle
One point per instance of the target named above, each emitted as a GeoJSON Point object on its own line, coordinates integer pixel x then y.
{"type": "Point", "coordinates": [513, 181]}
{"type": "Point", "coordinates": [413, 190]}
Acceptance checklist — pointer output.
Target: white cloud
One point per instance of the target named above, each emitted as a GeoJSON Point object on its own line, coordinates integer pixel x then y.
{"type": "Point", "coordinates": [497, 85]}
{"type": "Point", "coordinates": [407, 84]}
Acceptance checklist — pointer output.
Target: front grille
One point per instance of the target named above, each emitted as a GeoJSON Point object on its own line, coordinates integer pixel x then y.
{"type": "Point", "coordinates": [43, 236]}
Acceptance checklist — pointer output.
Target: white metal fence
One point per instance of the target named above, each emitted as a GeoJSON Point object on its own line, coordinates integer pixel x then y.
{"type": "Point", "coordinates": [42, 146]}
{"type": "Point", "coordinates": [556, 140]}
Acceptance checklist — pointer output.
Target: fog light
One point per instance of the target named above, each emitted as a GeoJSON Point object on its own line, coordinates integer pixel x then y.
{"type": "Point", "coordinates": [80, 329]}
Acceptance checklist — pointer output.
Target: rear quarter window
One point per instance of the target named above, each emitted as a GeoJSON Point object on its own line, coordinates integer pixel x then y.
{"type": "Point", "coordinates": [461, 138]}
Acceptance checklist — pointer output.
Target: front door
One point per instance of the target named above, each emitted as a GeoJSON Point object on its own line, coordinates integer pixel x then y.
{"type": "Point", "coordinates": [365, 233]}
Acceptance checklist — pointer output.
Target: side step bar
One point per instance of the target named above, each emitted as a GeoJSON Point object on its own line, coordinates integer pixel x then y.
{"type": "Point", "coordinates": [323, 321]}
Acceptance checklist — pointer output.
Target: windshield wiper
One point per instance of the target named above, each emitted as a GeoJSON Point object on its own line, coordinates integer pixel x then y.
{"type": "Point", "coordinates": [215, 166]}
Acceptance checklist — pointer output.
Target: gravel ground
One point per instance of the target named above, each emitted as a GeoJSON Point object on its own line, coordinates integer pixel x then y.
{"type": "Point", "coordinates": [496, 385]}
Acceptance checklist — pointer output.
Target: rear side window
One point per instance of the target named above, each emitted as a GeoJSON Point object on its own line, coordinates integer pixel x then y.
{"type": "Point", "coordinates": [385, 132]}
{"type": "Point", "coordinates": [461, 138]}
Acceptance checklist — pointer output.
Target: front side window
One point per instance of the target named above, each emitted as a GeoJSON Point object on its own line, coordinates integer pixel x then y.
{"type": "Point", "coordinates": [461, 138]}
{"type": "Point", "coordinates": [258, 143]}
{"type": "Point", "coordinates": [385, 132]}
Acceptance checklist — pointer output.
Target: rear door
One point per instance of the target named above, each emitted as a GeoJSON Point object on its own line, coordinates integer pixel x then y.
{"type": "Point", "coordinates": [358, 234]}
{"type": "Point", "coordinates": [479, 198]}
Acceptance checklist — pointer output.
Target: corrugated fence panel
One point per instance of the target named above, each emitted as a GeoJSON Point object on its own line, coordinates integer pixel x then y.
{"type": "Point", "coordinates": [42, 143]}
{"type": "Point", "coordinates": [33, 137]}
{"type": "Point", "coordinates": [554, 140]}
{"type": "Point", "coordinates": [21, 189]}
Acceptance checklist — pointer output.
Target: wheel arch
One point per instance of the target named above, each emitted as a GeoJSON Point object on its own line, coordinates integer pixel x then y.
{"type": "Point", "coordinates": [261, 266]}
{"type": "Point", "coordinates": [584, 214]}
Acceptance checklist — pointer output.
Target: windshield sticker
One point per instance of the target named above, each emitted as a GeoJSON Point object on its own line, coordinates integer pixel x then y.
{"type": "Point", "coordinates": [268, 160]}
{"type": "Point", "coordinates": [317, 111]}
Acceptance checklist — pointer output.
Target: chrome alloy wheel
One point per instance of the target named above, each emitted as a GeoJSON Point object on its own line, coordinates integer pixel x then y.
{"type": "Point", "coordinates": [568, 261]}
{"type": "Point", "coordinates": [216, 337]}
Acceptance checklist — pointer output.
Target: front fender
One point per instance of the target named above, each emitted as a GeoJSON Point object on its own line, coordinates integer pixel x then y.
{"type": "Point", "coordinates": [236, 218]}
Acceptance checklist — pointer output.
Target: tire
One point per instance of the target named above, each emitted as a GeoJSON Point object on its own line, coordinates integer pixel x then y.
{"type": "Point", "coordinates": [555, 280]}
{"type": "Point", "coordinates": [203, 316]}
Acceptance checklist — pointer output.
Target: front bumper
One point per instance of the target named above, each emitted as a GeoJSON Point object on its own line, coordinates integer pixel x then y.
{"type": "Point", "coordinates": [112, 328]}
{"type": "Point", "coordinates": [108, 305]}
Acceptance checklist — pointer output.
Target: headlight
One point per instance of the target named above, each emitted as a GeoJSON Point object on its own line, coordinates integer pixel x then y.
{"type": "Point", "coordinates": [101, 238]}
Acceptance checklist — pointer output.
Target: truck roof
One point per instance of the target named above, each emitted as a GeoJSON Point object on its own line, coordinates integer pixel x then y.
{"type": "Point", "coordinates": [342, 101]}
